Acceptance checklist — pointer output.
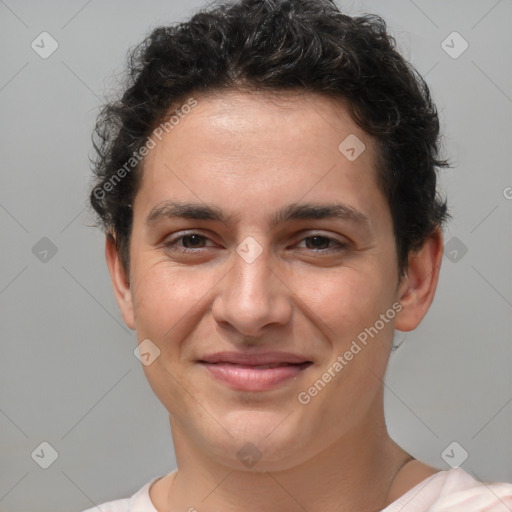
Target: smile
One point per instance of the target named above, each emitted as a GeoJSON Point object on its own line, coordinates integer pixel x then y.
{"type": "Point", "coordinates": [256, 372]}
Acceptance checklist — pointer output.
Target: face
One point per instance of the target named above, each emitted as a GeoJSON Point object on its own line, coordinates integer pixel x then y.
{"type": "Point", "coordinates": [263, 267]}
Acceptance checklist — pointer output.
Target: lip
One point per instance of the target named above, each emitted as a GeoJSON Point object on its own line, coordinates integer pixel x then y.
{"type": "Point", "coordinates": [254, 372]}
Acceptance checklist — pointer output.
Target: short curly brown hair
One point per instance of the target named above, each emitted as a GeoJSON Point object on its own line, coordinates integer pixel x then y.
{"type": "Point", "coordinates": [276, 45]}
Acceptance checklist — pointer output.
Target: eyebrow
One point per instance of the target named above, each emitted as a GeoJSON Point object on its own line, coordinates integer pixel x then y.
{"type": "Point", "coordinates": [304, 211]}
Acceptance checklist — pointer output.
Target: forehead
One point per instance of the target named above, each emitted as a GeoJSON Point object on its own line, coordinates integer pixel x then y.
{"type": "Point", "coordinates": [257, 148]}
{"type": "Point", "coordinates": [277, 121]}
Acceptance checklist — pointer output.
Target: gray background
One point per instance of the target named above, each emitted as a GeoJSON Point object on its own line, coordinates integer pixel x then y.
{"type": "Point", "coordinates": [68, 375]}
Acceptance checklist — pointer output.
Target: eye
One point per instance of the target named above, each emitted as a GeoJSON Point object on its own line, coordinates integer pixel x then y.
{"type": "Point", "coordinates": [187, 242]}
{"type": "Point", "coordinates": [193, 241]}
{"type": "Point", "coordinates": [322, 244]}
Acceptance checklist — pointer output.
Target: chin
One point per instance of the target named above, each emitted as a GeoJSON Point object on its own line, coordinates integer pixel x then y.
{"type": "Point", "coordinates": [259, 441]}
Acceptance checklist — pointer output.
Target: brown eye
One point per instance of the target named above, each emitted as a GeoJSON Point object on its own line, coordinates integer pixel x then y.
{"type": "Point", "coordinates": [188, 243]}
{"type": "Point", "coordinates": [193, 241]}
{"type": "Point", "coordinates": [322, 245]}
{"type": "Point", "coordinates": [318, 242]}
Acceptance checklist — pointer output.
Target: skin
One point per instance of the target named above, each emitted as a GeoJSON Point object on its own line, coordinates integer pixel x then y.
{"type": "Point", "coordinates": [251, 155]}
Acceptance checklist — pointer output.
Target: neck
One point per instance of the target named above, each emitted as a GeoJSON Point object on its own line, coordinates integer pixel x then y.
{"type": "Point", "coordinates": [354, 473]}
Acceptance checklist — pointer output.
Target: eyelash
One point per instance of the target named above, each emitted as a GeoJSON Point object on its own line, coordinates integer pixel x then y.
{"type": "Point", "coordinates": [340, 246]}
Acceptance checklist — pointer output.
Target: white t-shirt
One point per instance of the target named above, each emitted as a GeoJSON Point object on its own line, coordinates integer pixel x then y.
{"type": "Point", "coordinates": [452, 490]}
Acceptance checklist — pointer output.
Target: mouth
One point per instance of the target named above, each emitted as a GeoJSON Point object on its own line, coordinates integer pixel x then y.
{"type": "Point", "coordinates": [256, 372]}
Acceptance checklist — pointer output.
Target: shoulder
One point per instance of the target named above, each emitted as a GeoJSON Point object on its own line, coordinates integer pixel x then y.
{"type": "Point", "coordinates": [139, 502]}
{"type": "Point", "coordinates": [411, 474]}
{"type": "Point", "coordinates": [461, 490]}
{"type": "Point", "coordinates": [112, 506]}
{"type": "Point", "coordinates": [452, 491]}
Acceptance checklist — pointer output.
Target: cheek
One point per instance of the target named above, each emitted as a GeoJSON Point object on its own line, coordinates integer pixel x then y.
{"type": "Point", "coordinates": [349, 305]}
{"type": "Point", "coordinates": [346, 300]}
{"type": "Point", "coordinates": [163, 298]}
{"type": "Point", "coordinates": [167, 307]}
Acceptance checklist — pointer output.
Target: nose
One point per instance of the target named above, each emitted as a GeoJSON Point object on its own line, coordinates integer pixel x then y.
{"type": "Point", "coordinates": [252, 297]}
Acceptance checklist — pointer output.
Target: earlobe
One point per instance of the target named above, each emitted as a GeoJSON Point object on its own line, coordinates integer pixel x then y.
{"type": "Point", "coordinates": [120, 281]}
{"type": "Point", "coordinates": [417, 288]}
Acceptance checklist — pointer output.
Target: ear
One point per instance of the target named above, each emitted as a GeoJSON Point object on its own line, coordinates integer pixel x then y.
{"type": "Point", "coordinates": [120, 281]}
{"type": "Point", "coordinates": [417, 288]}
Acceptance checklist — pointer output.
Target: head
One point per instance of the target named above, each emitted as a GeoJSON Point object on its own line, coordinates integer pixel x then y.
{"type": "Point", "coordinates": [267, 182]}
